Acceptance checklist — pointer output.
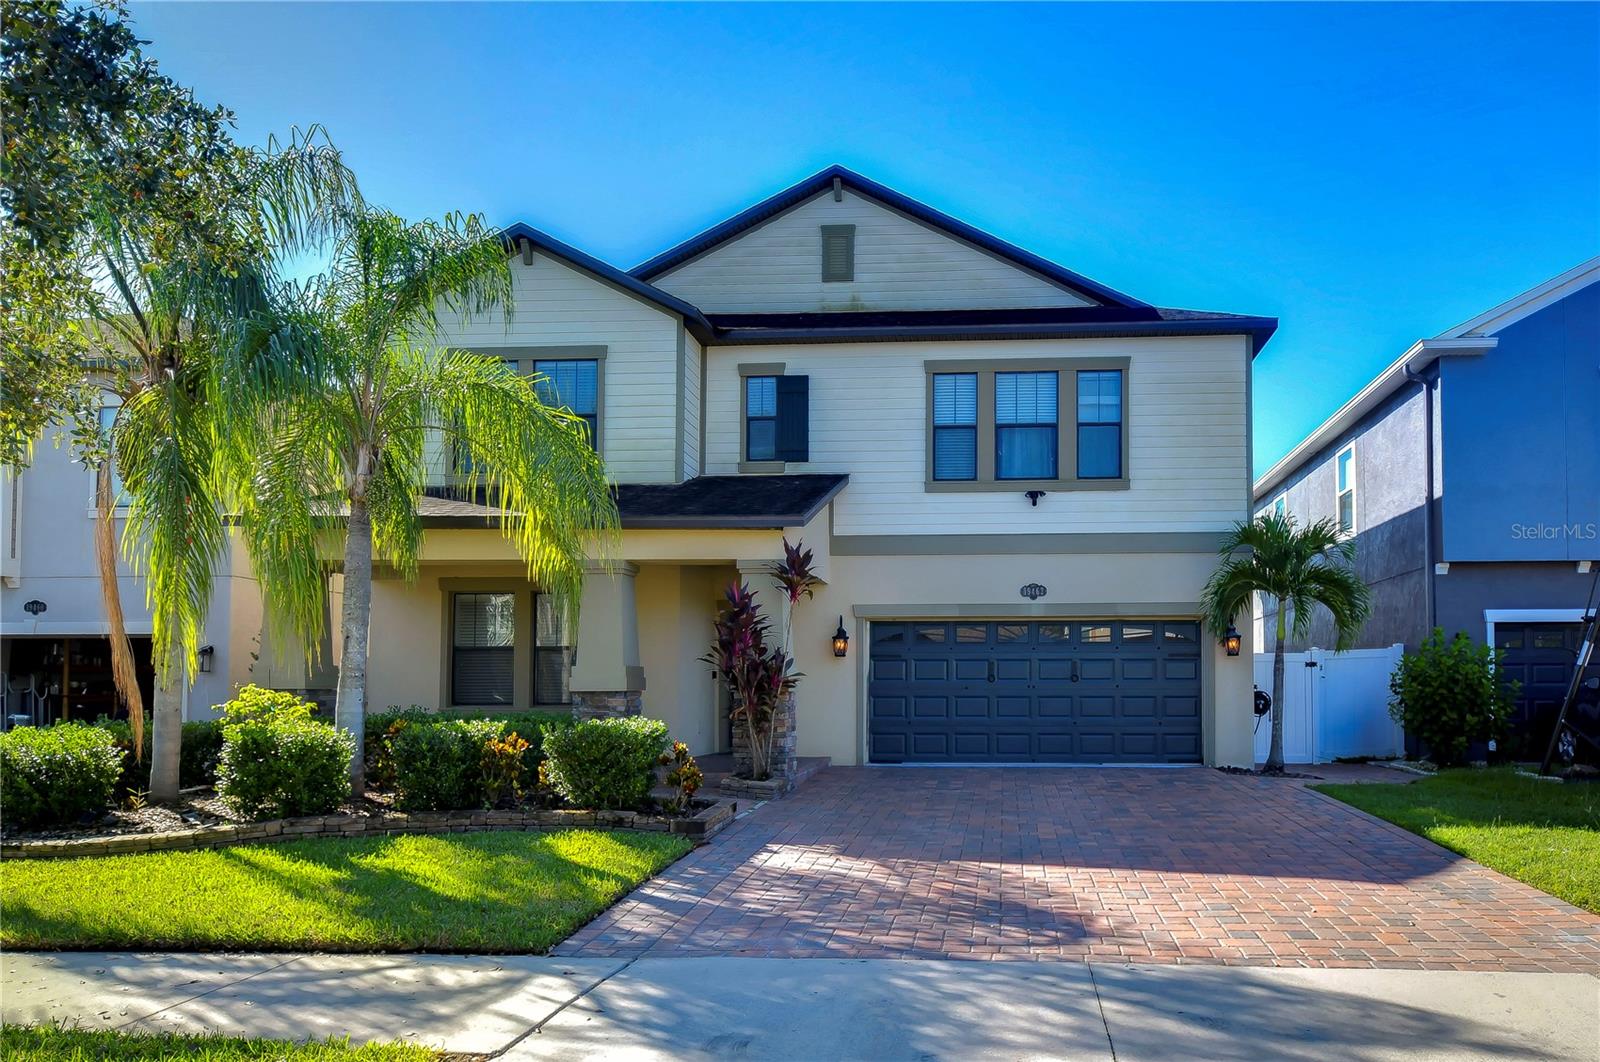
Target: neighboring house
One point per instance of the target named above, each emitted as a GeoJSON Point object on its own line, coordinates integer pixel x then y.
{"type": "Point", "coordinates": [1014, 479]}
{"type": "Point", "coordinates": [1468, 474]}
{"type": "Point", "coordinates": [54, 653]}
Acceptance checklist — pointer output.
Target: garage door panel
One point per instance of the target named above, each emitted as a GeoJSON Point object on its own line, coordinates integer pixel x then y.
{"type": "Point", "coordinates": [1013, 691]}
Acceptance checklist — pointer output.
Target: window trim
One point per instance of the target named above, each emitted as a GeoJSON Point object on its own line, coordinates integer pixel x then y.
{"type": "Point", "coordinates": [1338, 494]}
{"type": "Point", "coordinates": [769, 368]}
{"type": "Point", "coordinates": [934, 427]}
{"type": "Point", "coordinates": [522, 650]}
{"type": "Point", "coordinates": [1066, 370]}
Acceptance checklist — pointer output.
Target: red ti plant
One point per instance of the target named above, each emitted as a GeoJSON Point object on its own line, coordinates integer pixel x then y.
{"type": "Point", "coordinates": [758, 675]}
{"type": "Point", "coordinates": [797, 574]}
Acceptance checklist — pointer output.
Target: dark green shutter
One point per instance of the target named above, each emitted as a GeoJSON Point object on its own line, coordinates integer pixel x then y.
{"type": "Point", "coordinates": [794, 418]}
{"type": "Point", "coordinates": [838, 252]}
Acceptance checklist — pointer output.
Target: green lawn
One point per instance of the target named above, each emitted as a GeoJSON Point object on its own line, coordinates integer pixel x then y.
{"type": "Point", "coordinates": [1544, 833]}
{"type": "Point", "coordinates": [47, 1044]}
{"type": "Point", "coordinates": [478, 892]}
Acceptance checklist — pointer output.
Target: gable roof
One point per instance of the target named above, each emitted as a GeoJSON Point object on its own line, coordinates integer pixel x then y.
{"type": "Point", "coordinates": [820, 182]}
{"type": "Point", "coordinates": [1476, 336]}
{"type": "Point", "coordinates": [513, 236]}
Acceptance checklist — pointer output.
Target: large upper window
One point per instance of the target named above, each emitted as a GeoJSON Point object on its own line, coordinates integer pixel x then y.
{"type": "Point", "coordinates": [483, 650]}
{"type": "Point", "coordinates": [108, 419]}
{"type": "Point", "coordinates": [1027, 423]}
{"type": "Point", "coordinates": [1345, 470]}
{"type": "Point", "coordinates": [776, 415]}
{"type": "Point", "coordinates": [573, 385]}
{"type": "Point", "coordinates": [1025, 430]}
{"type": "Point", "coordinates": [955, 426]}
{"type": "Point", "coordinates": [1099, 424]}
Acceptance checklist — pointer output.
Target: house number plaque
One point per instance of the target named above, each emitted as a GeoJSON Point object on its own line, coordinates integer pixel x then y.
{"type": "Point", "coordinates": [1034, 591]}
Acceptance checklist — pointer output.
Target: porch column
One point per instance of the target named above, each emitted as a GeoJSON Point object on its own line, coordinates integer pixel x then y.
{"type": "Point", "coordinates": [607, 678]}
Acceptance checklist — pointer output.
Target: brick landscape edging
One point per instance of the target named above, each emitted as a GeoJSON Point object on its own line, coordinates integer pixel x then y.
{"type": "Point", "coordinates": [699, 828]}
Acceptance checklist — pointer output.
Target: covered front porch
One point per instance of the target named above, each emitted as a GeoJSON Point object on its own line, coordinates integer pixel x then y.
{"type": "Point", "coordinates": [472, 632]}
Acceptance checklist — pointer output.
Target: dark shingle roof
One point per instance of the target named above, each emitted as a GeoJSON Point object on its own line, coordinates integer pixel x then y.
{"type": "Point", "coordinates": [705, 502]}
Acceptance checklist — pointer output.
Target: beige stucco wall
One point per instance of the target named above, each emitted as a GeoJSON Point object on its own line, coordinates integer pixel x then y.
{"type": "Point", "coordinates": [677, 604]}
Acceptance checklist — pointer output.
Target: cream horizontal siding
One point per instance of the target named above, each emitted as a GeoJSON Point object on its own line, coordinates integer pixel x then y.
{"type": "Point", "coordinates": [900, 264]}
{"type": "Point", "coordinates": [1188, 459]}
{"type": "Point", "coordinates": [691, 407]}
{"type": "Point", "coordinates": [556, 305]}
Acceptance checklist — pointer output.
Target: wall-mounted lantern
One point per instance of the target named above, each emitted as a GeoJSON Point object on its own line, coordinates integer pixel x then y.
{"type": "Point", "coordinates": [1230, 641]}
{"type": "Point", "coordinates": [207, 654]}
{"type": "Point", "coordinates": [841, 639]}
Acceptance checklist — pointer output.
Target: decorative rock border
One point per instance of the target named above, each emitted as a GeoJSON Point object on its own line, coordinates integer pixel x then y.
{"type": "Point", "coordinates": [700, 827]}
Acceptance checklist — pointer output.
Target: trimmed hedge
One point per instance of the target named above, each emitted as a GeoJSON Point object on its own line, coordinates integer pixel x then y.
{"type": "Point", "coordinates": [277, 761]}
{"type": "Point", "coordinates": [439, 763]}
{"type": "Point", "coordinates": [57, 774]}
{"type": "Point", "coordinates": [382, 727]}
{"type": "Point", "coordinates": [605, 763]}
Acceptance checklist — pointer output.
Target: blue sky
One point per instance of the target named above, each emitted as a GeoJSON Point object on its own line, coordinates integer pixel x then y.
{"type": "Point", "coordinates": [1370, 174]}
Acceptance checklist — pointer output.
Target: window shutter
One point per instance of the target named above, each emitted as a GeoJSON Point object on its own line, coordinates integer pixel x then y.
{"type": "Point", "coordinates": [838, 252]}
{"type": "Point", "coordinates": [794, 418]}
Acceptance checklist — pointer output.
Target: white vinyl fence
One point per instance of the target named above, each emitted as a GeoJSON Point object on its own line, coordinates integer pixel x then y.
{"type": "Point", "coordinates": [1334, 705]}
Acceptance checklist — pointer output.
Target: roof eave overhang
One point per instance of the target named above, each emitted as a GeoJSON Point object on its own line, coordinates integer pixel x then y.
{"type": "Point", "coordinates": [1419, 356]}
{"type": "Point", "coordinates": [1259, 330]}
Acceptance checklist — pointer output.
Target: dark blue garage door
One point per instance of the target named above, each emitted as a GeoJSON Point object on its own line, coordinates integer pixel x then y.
{"type": "Point", "coordinates": [1084, 691]}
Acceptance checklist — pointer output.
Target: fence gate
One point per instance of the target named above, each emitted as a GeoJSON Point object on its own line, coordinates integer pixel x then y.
{"type": "Point", "coordinates": [1334, 705]}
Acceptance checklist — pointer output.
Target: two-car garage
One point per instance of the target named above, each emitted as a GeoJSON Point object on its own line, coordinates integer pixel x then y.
{"type": "Point", "coordinates": [1068, 691]}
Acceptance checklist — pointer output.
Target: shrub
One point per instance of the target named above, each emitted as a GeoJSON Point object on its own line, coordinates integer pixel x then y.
{"type": "Point", "coordinates": [438, 763]}
{"type": "Point", "coordinates": [1448, 695]}
{"type": "Point", "coordinates": [197, 764]}
{"type": "Point", "coordinates": [502, 769]}
{"type": "Point", "coordinates": [276, 760]}
{"type": "Point", "coordinates": [382, 727]}
{"type": "Point", "coordinates": [605, 763]}
{"type": "Point", "coordinates": [57, 774]}
{"type": "Point", "coordinates": [685, 777]}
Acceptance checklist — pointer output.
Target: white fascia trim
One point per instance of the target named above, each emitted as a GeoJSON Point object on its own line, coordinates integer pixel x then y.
{"type": "Point", "coordinates": [1492, 616]}
{"type": "Point", "coordinates": [1422, 353]}
{"type": "Point", "coordinates": [70, 629]}
{"type": "Point", "coordinates": [1529, 302]}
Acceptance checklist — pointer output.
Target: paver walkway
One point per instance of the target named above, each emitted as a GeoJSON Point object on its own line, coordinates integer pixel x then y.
{"type": "Point", "coordinates": [1134, 865]}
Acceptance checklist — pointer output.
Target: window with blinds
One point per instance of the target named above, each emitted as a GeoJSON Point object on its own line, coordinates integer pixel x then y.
{"type": "Point", "coordinates": [573, 385]}
{"type": "Point", "coordinates": [1025, 425]}
{"type": "Point", "coordinates": [955, 426]}
{"type": "Point", "coordinates": [483, 650]}
{"type": "Point", "coordinates": [552, 653]}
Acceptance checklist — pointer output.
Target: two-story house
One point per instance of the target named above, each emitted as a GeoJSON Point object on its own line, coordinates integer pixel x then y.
{"type": "Point", "coordinates": [1468, 474]}
{"type": "Point", "coordinates": [1014, 480]}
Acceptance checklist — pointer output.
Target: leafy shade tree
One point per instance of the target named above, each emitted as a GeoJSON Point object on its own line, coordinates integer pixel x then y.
{"type": "Point", "coordinates": [1299, 569]}
{"type": "Point", "coordinates": [352, 443]}
{"type": "Point", "coordinates": [92, 128]}
{"type": "Point", "coordinates": [178, 327]}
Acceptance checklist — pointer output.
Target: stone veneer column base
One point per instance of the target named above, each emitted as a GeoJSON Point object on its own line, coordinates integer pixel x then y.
{"type": "Point", "coordinates": [607, 704]}
{"type": "Point", "coordinates": [785, 764]}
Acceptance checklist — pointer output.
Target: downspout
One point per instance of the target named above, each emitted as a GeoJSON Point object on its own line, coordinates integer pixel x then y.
{"type": "Point", "coordinates": [1427, 495]}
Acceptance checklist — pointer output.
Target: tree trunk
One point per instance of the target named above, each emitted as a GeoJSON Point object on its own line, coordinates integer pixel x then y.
{"type": "Point", "coordinates": [124, 676]}
{"type": "Point", "coordinates": [166, 738]}
{"type": "Point", "coordinates": [1275, 753]}
{"type": "Point", "coordinates": [350, 707]}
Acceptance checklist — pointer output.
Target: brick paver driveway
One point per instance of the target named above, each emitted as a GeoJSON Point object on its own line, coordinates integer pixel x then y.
{"type": "Point", "coordinates": [1142, 865]}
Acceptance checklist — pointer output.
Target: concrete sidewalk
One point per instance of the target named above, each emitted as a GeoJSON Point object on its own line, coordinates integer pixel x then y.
{"type": "Point", "coordinates": [518, 1007]}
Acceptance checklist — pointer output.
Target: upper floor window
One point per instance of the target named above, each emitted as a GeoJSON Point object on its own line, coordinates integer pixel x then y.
{"type": "Point", "coordinates": [1025, 429]}
{"type": "Point", "coordinates": [998, 424]}
{"type": "Point", "coordinates": [574, 385]}
{"type": "Point", "coordinates": [760, 418]}
{"type": "Point", "coordinates": [955, 426]}
{"type": "Point", "coordinates": [108, 419]}
{"type": "Point", "coordinates": [1345, 472]}
{"type": "Point", "coordinates": [776, 413]}
{"type": "Point", "coordinates": [1100, 425]}
{"type": "Point", "coordinates": [1280, 508]}
{"type": "Point", "coordinates": [838, 252]}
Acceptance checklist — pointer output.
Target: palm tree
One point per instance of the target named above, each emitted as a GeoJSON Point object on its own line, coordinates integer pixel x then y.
{"type": "Point", "coordinates": [174, 322]}
{"type": "Point", "coordinates": [353, 441]}
{"type": "Point", "coordinates": [1299, 569]}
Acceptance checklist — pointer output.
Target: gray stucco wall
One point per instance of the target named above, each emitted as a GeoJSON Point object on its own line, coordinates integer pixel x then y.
{"type": "Point", "coordinates": [1468, 589]}
{"type": "Point", "coordinates": [1391, 490]}
{"type": "Point", "coordinates": [1521, 453]}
